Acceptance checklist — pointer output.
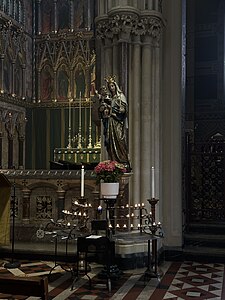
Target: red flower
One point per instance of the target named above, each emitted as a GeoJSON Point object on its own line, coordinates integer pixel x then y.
{"type": "Point", "coordinates": [109, 171]}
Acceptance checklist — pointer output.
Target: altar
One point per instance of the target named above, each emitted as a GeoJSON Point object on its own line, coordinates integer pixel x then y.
{"type": "Point", "coordinates": [77, 155]}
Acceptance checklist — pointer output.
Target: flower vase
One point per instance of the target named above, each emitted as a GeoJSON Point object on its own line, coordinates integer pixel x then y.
{"type": "Point", "coordinates": [109, 190]}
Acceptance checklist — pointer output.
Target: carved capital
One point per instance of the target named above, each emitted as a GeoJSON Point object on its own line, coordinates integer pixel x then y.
{"type": "Point", "coordinates": [153, 27]}
{"type": "Point", "coordinates": [125, 24]}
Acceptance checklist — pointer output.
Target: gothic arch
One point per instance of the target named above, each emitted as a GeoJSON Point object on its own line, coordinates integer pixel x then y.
{"type": "Point", "coordinates": [63, 82]}
{"type": "Point", "coordinates": [80, 80]}
{"type": "Point", "coordinates": [46, 83]}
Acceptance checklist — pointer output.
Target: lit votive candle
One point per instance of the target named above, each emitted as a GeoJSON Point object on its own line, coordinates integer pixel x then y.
{"type": "Point", "coordinates": [127, 205]}
{"type": "Point", "coordinates": [131, 226]}
{"type": "Point", "coordinates": [117, 226]}
{"type": "Point", "coordinates": [132, 215]}
{"type": "Point", "coordinates": [79, 213]}
{"type": "Point", "coordinates": [110, 225]}
{"type": "Point", "coordinates": [68, 224]}
{"type": "Point", "coordinates": [143, 204]}
{"type": "Point", "coordinates": [139, 225]}
{"type": "Point", "coordinates": [127, 215]}
{"type": "Point", "coordinates": [124, 226]}
{"type": "Point", "coordinates": [99, 209]}
{"type": "Point", "coordinates": [135, 205]}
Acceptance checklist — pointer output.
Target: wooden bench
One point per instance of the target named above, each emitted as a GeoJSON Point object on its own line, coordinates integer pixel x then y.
{"type": "Point", "coordinates": [26, 286]}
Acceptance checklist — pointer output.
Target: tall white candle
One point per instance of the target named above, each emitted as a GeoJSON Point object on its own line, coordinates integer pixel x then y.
{"type": "Point", "coordinates": [82, 182]}
{"type": "Point", "coordinates": [153, 182]}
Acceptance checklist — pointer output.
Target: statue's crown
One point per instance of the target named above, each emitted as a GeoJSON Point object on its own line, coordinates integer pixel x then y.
{"type": "Point", "coordinates": [110, 79]}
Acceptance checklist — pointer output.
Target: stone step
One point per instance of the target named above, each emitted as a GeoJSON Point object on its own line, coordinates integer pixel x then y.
{"type": "Point", "coordinates": [204, 240]}
{"type": "Point", "coordinates": [204, 254]}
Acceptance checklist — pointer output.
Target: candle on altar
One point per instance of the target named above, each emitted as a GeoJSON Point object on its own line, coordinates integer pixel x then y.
{"type": "Point", "coordinates": [153, 182]}
{"type": "Point", "coordinates": [82, 182]}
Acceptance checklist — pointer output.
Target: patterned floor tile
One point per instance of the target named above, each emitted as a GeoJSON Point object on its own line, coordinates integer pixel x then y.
{"type": "Point", "coordinates": [181, 281]}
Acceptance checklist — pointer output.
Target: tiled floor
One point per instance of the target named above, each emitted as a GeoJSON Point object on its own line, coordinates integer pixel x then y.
{"type": "Point", "coordinates": [186, 280]}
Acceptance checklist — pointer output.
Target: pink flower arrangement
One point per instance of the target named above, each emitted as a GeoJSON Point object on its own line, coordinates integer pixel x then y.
{"type": "Point", "coordinates": [109, 171]}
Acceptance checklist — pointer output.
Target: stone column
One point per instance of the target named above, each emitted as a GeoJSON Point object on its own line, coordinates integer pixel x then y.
{"type": "Point", "coordinates": [115, 70]}
{"type": "Point", "coordinates": [171, 126]}
{"type": "Point", "coordinates": [146, 117]}
{"type": "Point", "coordinates": [108, 56]}
{"type": "Point", "coordinates": [137, 28]}
{"type": "Point", "coordinates": [135, 119]}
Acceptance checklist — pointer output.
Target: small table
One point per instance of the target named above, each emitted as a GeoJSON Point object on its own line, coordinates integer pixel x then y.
{"type": "Point", "coordinates": [102, 248]}
{"type": "Point", "coordinates": [152, 257]}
